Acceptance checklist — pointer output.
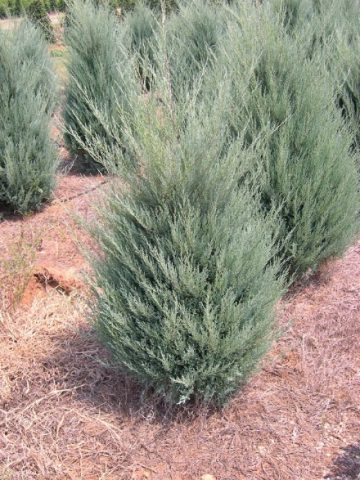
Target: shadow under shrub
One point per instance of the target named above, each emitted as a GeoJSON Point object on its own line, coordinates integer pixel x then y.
{"type": "Point", "coordinates": [346, 465]}
{"type": "Point", "coordinates": [186, 283]}
{"type": "Point", "coordinates": [28, 158]}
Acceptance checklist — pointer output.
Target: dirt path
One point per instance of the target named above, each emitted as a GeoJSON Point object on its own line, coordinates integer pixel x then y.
{"type": "Point", "coordinates": [65, 414]}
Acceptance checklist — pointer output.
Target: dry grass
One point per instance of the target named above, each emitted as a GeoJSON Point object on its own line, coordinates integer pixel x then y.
{"type": "Point", "coordinates": [16, 266]}
{"type": "Point", "coordinates": [66, 414]}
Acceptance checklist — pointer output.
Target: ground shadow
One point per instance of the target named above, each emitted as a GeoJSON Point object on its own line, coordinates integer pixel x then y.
{"type": "Point", "coordinates": [7, 212]}
{"type": "Point", "coordinates": [316, 279]}
{"type": "Point", "coordinates": [347, 465]}
{"type": "Point", "coordinates": [79, 163]}
{"type": "Point", "coordinates": [82, 364]}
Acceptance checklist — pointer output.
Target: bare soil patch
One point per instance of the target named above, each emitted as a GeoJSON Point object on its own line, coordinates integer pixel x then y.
{"type": "Point", "coordinates": [65, 413]}
{"type": "Point", "coordinates": [45, 248]}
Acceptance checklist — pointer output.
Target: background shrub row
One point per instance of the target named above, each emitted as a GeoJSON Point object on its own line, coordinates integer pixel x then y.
{"type": "Point", "coordinates": [18, 7]}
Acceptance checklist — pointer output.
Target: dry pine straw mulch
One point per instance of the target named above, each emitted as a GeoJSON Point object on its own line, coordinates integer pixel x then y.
{"type": "Point", "coordinates": [66, 414]}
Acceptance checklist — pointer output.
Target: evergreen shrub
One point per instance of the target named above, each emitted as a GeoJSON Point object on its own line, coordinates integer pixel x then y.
{"type": "Point", "coordinates": [155, 5]}
{"type": "Point", "coordinates": [96, 87]}
{"type": "Point", "coordinates": [342, 59]}
{"type": "Point", "coordinates": [158, 5]}
{"type": "Point", "coordinates": [32, 49]}
{"type": "Point", "coordinates": [193, 36]}
{"type": "Point", "coordinates": [27, 156]}
{"type": "Point", "coordinates": [328, 30]}
{"type": "Point", "coordinates": [308, 171]}
{"type": "Point", "coordinates": [3, 9]}
{"type": "Point", "coordinates": [10, 8]}
{"type": "Point", "coordinates": [292, 14]}
{"type": "Point", "coordinates": [16, 8]}
{"type": "Point", "coordinates": [140, 35]}
{"type": "Point", "coordinates": [186, 282]}
{"type": "Point", "coordinates": [348, 70]}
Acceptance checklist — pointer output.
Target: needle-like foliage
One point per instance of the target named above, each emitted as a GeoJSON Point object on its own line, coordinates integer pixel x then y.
{"type": "Point", "coordinates": [96, 85]}
{"type": "Point", "coordinates": [342, 57]}
{"type": "Point", "coordinates": [186, 282]}
{"type": "Point", "coordinates": [292, 14]}
{"type": "Point", "coordinates": [38, 14]}
{"type": "Point", "coordinates": [140, 36]}
{"type": "Point", "coordinates": [193, 36]}
{"type": "Point", "coordinates": [27, 156]}
{"type": "Point", "coordinates": [308, 172]}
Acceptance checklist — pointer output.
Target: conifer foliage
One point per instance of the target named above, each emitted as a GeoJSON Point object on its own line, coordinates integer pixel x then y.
{"type": "Point", "coordinates": [342, 58]}
{"type": "Point", "coordinates": [194, 34]}
{"type": "Point", "coordinates": [328, 31]}
{"type": "Point", "coordinates": [95, 94]}
{"type": "Point", "coordinates": [27, 156]}
{"type": "Point", "coordinates": [293, 14]}
{"type": "Point", "coordinates": [308, 172]}
{"type": "Point", "coordinates": [186, 284]}
{"type": "Point", "coordinates": [29, 38]}
{"type": "Point", "coordinates": [141, 28]}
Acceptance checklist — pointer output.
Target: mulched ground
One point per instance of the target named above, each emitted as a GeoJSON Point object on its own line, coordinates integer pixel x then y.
{"type": "Point", "coordinates": [66, 414]}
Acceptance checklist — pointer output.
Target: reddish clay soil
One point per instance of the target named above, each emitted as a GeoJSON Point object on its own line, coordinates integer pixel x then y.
{"type": "Point", "coordinates": [65, 413]}
{"type": "Point", "coordinates": [44, 249]}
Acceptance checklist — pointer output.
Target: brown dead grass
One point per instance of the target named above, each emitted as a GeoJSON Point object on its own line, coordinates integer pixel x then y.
{"type": "Point", "coordinates": [66, 414]}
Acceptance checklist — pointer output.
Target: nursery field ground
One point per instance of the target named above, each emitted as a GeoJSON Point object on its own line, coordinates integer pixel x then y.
{"type": "Point", "coordinates": [65, 413]}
